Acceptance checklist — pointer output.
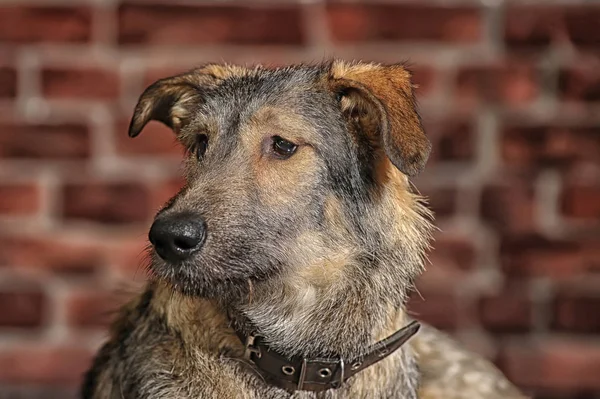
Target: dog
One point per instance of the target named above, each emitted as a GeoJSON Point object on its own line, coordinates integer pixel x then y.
{"type": "Point", "coordinates": [283, 266]}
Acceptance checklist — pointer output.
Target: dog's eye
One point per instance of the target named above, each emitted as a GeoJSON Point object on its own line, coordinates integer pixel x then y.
{"type": "Point", "coordinates": [201, 145]}
{"type": "Point", "coordinates": [283, 148]}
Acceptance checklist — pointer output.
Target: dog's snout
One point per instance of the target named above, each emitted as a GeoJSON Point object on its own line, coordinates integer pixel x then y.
{"type": "Point", "coordinates": [177, 237]}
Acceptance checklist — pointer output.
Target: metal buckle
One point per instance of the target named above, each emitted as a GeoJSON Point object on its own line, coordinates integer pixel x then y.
{"type": "Point", "coordinates": [250, 348]}
{"type": "Point", "coordinates": [340, 383]}
{"type": "Point", "coordinates": [302, 374]}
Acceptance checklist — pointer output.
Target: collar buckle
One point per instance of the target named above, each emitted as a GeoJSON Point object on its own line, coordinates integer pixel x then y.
{"type": "Point", "coordinates": [342, 370]}
{"type": "Point", "coordinates": [302, 377]}
{"type": "Point", "coordinates": [251, 348]}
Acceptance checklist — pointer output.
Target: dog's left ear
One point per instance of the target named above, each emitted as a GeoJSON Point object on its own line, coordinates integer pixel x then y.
{"type": "Point", "coordinates": [172, 100]}
{"type": "Point", "coordinates": [380, 99]}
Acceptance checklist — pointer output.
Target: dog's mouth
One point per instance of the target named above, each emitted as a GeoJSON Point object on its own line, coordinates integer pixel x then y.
{"type": "Point", "coordinates": [206, 277]}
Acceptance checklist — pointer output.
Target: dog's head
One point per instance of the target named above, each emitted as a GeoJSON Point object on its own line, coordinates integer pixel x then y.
{"type": "Point", "coordinates": [286, 169]}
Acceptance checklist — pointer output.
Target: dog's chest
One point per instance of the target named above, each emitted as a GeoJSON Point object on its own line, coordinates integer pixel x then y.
{"type": "Point", "coordinates": [227, 378]}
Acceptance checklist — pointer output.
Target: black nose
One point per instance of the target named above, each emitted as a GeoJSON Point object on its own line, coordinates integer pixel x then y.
{"type": "Point", "coordinates": [177, 237]}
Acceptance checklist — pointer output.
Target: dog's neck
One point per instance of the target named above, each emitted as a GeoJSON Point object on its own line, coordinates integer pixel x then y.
{"type": "Point", "coordinates": [205, 325]}
{"type": "Point", "coordinates": [305, 320]}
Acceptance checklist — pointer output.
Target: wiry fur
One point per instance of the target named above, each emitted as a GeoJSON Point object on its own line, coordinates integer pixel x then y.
{"type": "Point", "coordinates": [317, 252]}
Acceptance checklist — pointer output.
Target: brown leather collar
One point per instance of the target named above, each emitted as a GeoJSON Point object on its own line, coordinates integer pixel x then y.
{"type": "Point", "coordinates": [318, 374]}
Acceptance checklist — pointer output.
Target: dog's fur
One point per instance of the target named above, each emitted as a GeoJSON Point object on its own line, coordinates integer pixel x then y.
{"type": "Point", "coordinates": [318, 251]}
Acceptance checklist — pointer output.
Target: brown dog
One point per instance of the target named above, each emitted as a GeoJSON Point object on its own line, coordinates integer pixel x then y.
{"type": "Point", "coordinates": [289, 254]}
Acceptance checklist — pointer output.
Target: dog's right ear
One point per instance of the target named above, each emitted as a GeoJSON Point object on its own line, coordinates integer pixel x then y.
{"type": "Point", "coordinates": [172, 100]}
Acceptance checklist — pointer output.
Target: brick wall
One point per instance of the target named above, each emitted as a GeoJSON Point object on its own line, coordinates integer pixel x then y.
{"type": "Point", "coordinates": [510, 93]}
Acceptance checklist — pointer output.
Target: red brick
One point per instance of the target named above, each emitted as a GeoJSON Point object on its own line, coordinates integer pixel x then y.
{"type": "Point", "coordinates": [550, 146]}
{"type": "Point", "coordinates": [582, 25]}
{"type": "Point", "coordinates": [22, 308]}
{"type": "Point", "coordinates": [80, 83]}
{"type": "Point", "coordinates": [154, 74]}
{"type": "Point", "coordinates": [423, 78]}
{"type": "Point", "coordinates": [509, 206]}
{"type": "Point", "coordinates": [590, 252]}
{"type": "Point", "coordinates": [156, 140]}
{"type": "Point", "coordinates": [378, 21]}
{"type": "Point", "coordinates": [43, 364]}
{"type": "Point", "coordinates": [530, 26]}
{"type": "Point", "coordinates": [580, 83]}
{"type": "Point", "coordinates": [553, 364]}
{"type": "Point", "coordinates": [56, 252]}
{"type": "Point", "coordinates": [68, 141]}
{"type": "Point", "coordinates": [511, 83]}
{"type": "Point", "coordinates": [509, 311]}
{"type": "Point", "coordinates": [540, 26]}
{"type": "Point", "coordinates": [535, 255]}
{"type": "Point", "coordinates": [575, 307]}
{"type": "Point", "coordinates": [452, 139]}
{"type": "Point", "coordinates": [129, 255]}
{"type": "Point", "coordinates": [8, 82]}
{"type": "Point", "coordinates": [440, 309]}
{"type": "Point", "coordinates": [442, 200]}
{"type": "Point", "coordinates": [106, 202]}
{"type": "Point", "coordinates": [29, 24]}
{"type": "Point", "coordinates": [435, 301]}
{"type": "Point", "coordinates": [19, 198]}
{"type": "Point", "coordinates": [91, 308]}
{"type": "Point", "coordinates": [451, 251]}
{"type": "Point", "coordinates": [581, 202]}
{"type": "Point", "coordinates": [193, 25]}
{"type": "Point", "coordinates": [164, 192]}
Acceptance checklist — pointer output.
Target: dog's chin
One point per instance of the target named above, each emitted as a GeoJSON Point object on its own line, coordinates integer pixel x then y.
{"type": "Point", "coordinates": [197, 281]}
{"type": "Point", "coordinates": [221, 290]}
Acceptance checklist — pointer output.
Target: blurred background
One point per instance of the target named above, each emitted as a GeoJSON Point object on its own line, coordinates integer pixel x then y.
{"type": "Point", "coordinates": [510, 95]}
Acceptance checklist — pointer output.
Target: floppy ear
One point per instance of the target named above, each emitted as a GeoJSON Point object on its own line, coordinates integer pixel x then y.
{"type": "Point", "coordinates": [172, 100]}
{"type": "Point", "coordinates": [380, 99]}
